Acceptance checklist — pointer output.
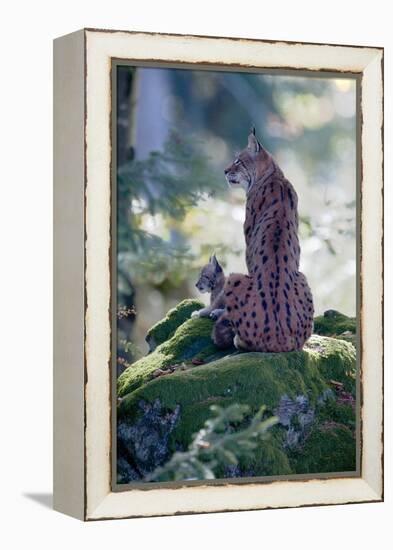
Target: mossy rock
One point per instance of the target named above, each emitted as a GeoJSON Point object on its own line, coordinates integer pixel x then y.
{"type": "Point", "coordinates": [336, 324]}
{"type": "Point", "coordinates": [329, 448]}
{"type": "Point", "coordinates": [268, 459]}
{"type": "Point", "coordinates": [249, 378]}
{"type": "Point", "coordinates": [191, 341]}
{"type": "Point", "coordinates": [193, 375]}
{"type": "Point", "coordinates": [165, 329]}
{"type": "Point", "coordinates": [339, 413]}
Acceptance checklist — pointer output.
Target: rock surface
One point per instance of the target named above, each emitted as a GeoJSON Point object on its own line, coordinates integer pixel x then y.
{"type": "Point", "coordinates": [333, 323]}
{"type": "Point", "coordinates": [165, 397]}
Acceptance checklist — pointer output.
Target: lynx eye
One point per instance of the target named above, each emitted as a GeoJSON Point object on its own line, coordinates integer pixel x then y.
{"type": "Point", "coordinates": [237, 162]}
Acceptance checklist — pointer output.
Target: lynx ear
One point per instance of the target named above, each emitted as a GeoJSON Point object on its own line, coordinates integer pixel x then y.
{"type": "Point", "coordinates": [253, 144]}
{"type": "Point", "coordinates": [214, 261]}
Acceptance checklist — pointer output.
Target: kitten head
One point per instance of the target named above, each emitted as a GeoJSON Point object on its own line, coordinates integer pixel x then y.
{"type": "Point", "coordinates": [209, 275]}
{"type": "Point", "coordinates": [249, 166]}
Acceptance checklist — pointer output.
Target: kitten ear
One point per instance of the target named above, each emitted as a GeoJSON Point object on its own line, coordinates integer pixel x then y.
{"type": "Point", "coordinates": [216, 264]}
{"type": "Point", "coordinates": [253, 144]}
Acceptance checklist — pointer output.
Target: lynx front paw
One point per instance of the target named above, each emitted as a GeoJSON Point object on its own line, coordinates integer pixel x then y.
{"type": "Point", "coordinates": [195, 314]}
{"type": "Point", "coordinates": [216, 313]}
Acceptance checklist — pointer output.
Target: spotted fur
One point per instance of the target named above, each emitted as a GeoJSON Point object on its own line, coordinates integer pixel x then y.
{"type": "Point", "coordinates": [270, 309]}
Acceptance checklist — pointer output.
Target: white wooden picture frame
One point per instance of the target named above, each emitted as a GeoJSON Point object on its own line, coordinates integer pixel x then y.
{"type": "Point", "coordinates": [82, 251]}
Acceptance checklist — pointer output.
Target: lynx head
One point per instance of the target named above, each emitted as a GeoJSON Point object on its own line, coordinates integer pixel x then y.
{"type": "Point", "coordinates": [210, 274]}
{"type": "Point", "coordinates": [249, 166]}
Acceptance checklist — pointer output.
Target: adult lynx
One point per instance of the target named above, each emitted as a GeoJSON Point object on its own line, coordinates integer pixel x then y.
{"type": "Point", "coordinates": [271, 308]}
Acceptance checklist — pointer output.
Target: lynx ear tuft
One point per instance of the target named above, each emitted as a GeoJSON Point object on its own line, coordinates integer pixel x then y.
{"type": "Point", "coordinates": [253, 144]}
{"type": "Point", "coordinates": [215, 263]}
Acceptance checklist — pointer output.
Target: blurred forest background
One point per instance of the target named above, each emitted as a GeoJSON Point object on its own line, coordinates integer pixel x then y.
{"type": "Point", "coordinates": [176, 132]}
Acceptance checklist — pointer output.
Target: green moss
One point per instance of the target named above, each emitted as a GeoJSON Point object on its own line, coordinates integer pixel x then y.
{"type": "Point", "coordinates": [165, 329]}
{"type": "Point", "coordinates": [269, 459]}
{"type": "Point", "coordinates": [334, 323]}
{"type": "Point", "coordinates": [192, 340]}
{"type": "Point", "coordinates": [329, 448]}
{"type": "Point", "coordinates": [247, 378]}
{"type": "Point", "coordinates": [340, 413]}
{"type": "Point", "coordinates": [337, 360]}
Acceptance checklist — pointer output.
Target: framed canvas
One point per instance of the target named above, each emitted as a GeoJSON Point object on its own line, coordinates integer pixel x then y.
{"type": "Point", "coordinates": [218, 330]}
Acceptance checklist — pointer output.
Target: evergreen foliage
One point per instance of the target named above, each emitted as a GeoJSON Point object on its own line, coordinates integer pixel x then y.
{"type": "Point", "coordinates": [217, 444]}
{"type": "Point", "coordinates": [168, 182]}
